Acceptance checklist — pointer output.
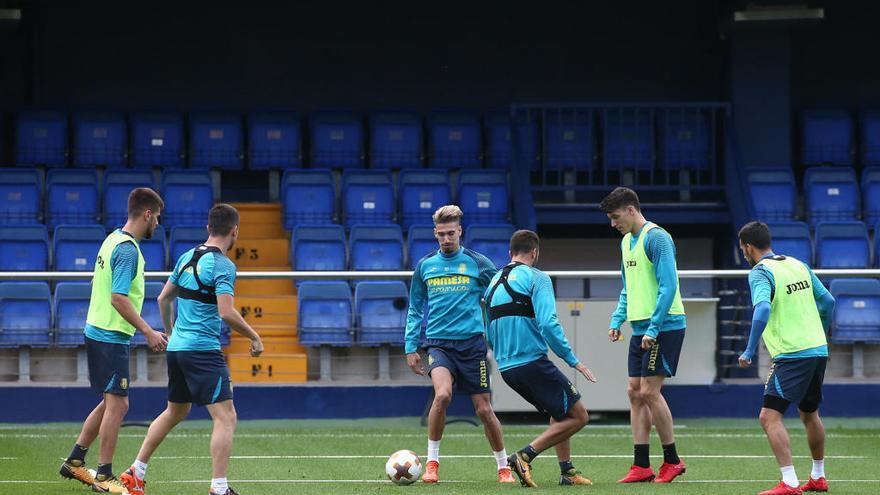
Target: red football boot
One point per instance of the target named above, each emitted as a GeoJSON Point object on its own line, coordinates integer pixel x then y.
{"type": "Point", "coordinates": [819, 485]}
{"type": "Point", "coordinates": [431, 475]}
{"type": "Point", "coordinates": [638, 474]}
{"type": "Point", "coordinates": [669, 472]}
{"type": "Point", "coordinates": [782, 489]}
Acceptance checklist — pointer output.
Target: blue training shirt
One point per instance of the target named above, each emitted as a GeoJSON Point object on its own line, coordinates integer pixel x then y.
{"type": "Point", "coordinates": [519, 340]}
{"type": "Point", "coordinates": [660, 249]}
{"type": "Point", "coordinates": [451, 287]}
{"type": "Point", "coordinates": [123, 266]}
{"type": "Point", "coordinates": [197, 327]}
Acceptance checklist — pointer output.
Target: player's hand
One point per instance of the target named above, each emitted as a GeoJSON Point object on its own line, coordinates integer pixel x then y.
{"type": "Point", "coordinates": [156, 340]}
{"type": "Point", "coordinates": [745, 361]}
{"type": "Point", "coordinates": [415, 363]}
{"type": "Point", "coordinates": [648, 342]}
{"type": "Point", "coordinates": [256, 347]}
{"type": "Point", "coordinates": [615, 334]}
{"type": "Point", "coordinates": [586, 372]}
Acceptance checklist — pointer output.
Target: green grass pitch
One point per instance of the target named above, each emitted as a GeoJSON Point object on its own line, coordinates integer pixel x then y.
{"type": "Point", "coordinates": [331, 457]}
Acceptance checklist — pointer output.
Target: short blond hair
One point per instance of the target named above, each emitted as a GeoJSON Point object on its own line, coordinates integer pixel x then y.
{"type": "Point", "coordinates": [447, 214]}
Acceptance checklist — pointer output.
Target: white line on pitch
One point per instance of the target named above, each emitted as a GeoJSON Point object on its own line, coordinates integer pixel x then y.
{"type": "Point", "coordinates": [482, 456]}
{"type": "Point", "coordinates": [173, 482]}
{"type": "Point", "coordinates": [585, 434]}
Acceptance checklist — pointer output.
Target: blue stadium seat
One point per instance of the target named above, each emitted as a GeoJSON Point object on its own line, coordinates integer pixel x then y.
{"type": "Point", "coordinates": [773, 194]}
{"type": "Point", "coordinates": [421, 193]}
{"type": "Point", "coordinates": [628, 139]}
{"type": "Point", "coordinates": [395, 141]}
{"type": "Point", "coordinates": [308, 196]}
{"type": "Point", "coordinates": [154, 251]}
{"type": "Point", "coordinates": [100, 138]}
{"type": "Point", "coordinates": [215, 141]}
{"type": "Point", "coordinates": [318, 247]}
{"type": "Point", "coordinates": [71, 197]}
{"type": "Point", "coordinates": [25, 314]}
{"type": "Point", "coordinates": [455, 141]}
{"type": "Point", "coordinates": [157, 140]}
{"type": "Point", "coordinates": [71, 310]}
{"type": "Point", "coordinates": [420, 242]}
{"type": "Point", "coordinates": [183, 239]}
{"type": "Point", "coordinates": [570, 140]}
{"type": "Point", "coordinates": [24, 248]}
{"type": "Point", "coordinates": [871, 138]}
{"type": "Point", "coordinates": [832, 194]}
{"type": "Point", "coordinates": [21, 194]}
{"type": "Point", "coordinates": [684, 135]}
{"type": "Point", "coordinates": [75, 247]}
{"type": "Point", "coordinates": [117, 186]}
{"type": "Point", "coordinates": [150, 312]}
{"type": "Point", "coordinates": [792, 239]}
{"type": "Point", "coordinates": [856, 311]}
{"type": "Point", "coordinates": [877, 245]}
{"type": "Point", "coordinates": [367, 197]}
{"type": "Point", "coordinates": [376, 247]}
{"type": "Point", "coordinates": [337, 141]}
{"type": "Point", "coordinates": [499, 148]}
{"type": "Point", "coordinates": [827, 137]}
{"type": "Point", "coordinates": [274, 141]}
{"type": "Point", "coordinates": [381, 309]}
{"type": "Point", "coordinates": [324, 313]}
{"type": "Point", "coordinates": [41, 139]}
{"type": "Point", "coordinates": [492, 241]}
{"type": "Point", "coordinates": [842, 245]}
{"type": "Point", "coordinates": [483, 196]}
{"type": "Point", "coordinates": [871, 195]}
{"type": "Point", "coordinates": [188, 196]}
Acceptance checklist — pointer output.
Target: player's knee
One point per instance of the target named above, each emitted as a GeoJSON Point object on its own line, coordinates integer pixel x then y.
{"type": "Point", "coordinates": [118, 405]}
{"type": "Point", "coordinates": [580, 415]}
{"type": "Point", "coordinates": [634, 393]}
{"type": "Point", "coordinates": [442, 399]}
{"type": "Point", "coordinates": [767, 417]}
{"type": "Point", "coordinates": [484, 411]}
{"type": "Point", "coordinates": [180, 412]}
{"type": "Point", "coordinates": [648, 395]}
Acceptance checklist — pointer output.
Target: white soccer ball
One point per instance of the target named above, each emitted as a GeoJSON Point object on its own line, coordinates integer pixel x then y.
{"type": "Point", "coordinates": [403, 467]}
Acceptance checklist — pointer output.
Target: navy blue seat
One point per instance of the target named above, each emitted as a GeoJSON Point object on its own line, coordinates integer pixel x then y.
{"type": "Point", "coordinates": [155, 251]}
{"type": "Point", "coordinates": [483, 196]}
{"type": "Point", "coordinates": [274, 141]}
{"type": "Point", "coordinates": [367, 197]}
{"type": "Point", "coordinates": [827, 137]}
{"type": "Point", "coordinates": [71, 309]}
{"type": "Point", "coordinates": [420, 242]}
{"type": "Point", "coordinates": [41, 138]}
{"type": "Point", "coordinates": [71, 197]}
{"type": "Point", "coordinates": [24, 248]}
{"type": "Point", "coordinates": [570, 140]}
{"type": "Point", "coordinates": [188, 196]}
{"type": "Point", "coordinates": [870, 138]}
{"type": "Point", "coordinates": [492, 241]}
{"type": "Point", "coordinates": [21, 194]}
{"type": "Point", "coordinates": [792, 239]}
{"type": "Point", "coordinates": [684, 135]}
{"type": "Point", "coordinates": [454, 141]}
{"type": "Point", "coordinates": [337, 141]}
{"type": "Point", "coordinates": [324, 313]}
{"type": "Point", "coordinates": [395, 141]}
{"type": "Point", "coordinates": [150, 312]}
{"type": "Point", "coordinates": [499, 146]}
{"type": "Point", "coordinates": [75, 247]}
{"type": "Point", "coordinates": [871, 195]}
{"type": "Point", "coordinates": [118, 184]}
{"type": "Point", "coordinates": [157, 140]}
{"type": "Point", "coordinates": [376, 247]}
{"type": "Point", "coordinates": [421, 192]}
{"type": "Point", "coordinates": [856, 311]}
{"type": "Point", "coordinates": [25, 314]}
{"type": "Point", "coordinates": [877, 245]}
{"type": "Point", "coordinates": [184, 238]}
{"type": "Point", "coordinates": [318, 247]}
{"type": "Point", "coordinates": [100, 138]}
{"type": "Point", "coordinates": [842, 245]}
{"type": "Point", "coordinates": [832, 194]}
{"type": "Point", "coordinates": [308, 196]}
{"type": "Point", "coordinates": [216, 141]}
{"type": "Point", "coordinates": [628, 139]}
{"type": "Point", "coordinates": [773, 194]}
{"type": "Point", "coordinates": [381, 309]}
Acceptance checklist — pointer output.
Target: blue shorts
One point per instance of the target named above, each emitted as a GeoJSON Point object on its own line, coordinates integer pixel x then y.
{"type": "Point", "coordinates": [108, 367]}
{"type": "Point", "coordinates": [659, 359]}
{"type": "Point", "coordinates": [198, 376]}
{"type": "Point", "coordinates": [796, 381]}
{"type": "Point", "coordinates": [544, 386]}
{"type": "Point", "coordinates": [465, 359]}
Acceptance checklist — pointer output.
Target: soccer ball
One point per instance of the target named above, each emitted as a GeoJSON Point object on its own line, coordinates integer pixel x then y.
{"type": "Point", "coordinates": [403, 467]}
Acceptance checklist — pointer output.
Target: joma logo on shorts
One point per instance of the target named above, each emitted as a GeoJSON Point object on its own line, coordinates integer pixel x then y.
{"type": "Point", "coordinates": [652, 358]}
{"type": "Point", "coordinates": [484, 379]}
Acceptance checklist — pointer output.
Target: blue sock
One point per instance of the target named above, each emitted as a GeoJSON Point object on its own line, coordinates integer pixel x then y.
{"type": "Point", "coordinates": [529, 452]}
{"type": "Point", "coordinates": [78, 453]}
{"type": "Point", "coordinates": [565, 466]}
{"type": "Point", "coordinates": [104, 471]}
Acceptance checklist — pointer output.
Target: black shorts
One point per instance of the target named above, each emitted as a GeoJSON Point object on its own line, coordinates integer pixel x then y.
{"type": "Point", "coordinates": [659, 359]}
{"type": "Point", "coordinates": [797, 381]}
{"type": "Point", "coordinates": [465, 359]}
{"type": "Point", "coordinates": [108, 367]}
{"type": "Point", "coordinates": [198, 376]}
{"type": "Point", "coordinates": [544, 386]}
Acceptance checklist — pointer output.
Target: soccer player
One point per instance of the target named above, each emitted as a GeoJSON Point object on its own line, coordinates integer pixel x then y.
{"type": "Point", "coordinates": [792, 309]}
{"type": "Point", "coordinates": [450, 282]}
{"type": "Point", "coordinates": [522, 322]}
{"type": "Point", "coordinates": [202, 284]}
{"type": "Point", "coordinates": [114, 315]}
{"type": "Point", "coordinates": [651, 302]}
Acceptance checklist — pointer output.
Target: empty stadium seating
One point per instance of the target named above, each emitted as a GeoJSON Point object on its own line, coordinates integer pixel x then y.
{"type": "Point", "coordinates": [25, 314]}
{"type": "Point", "coordinates": [773, 194]}
{"type": "Point", "coordinates": [856, 311]}
{"type": "Point", "coordinates": [150, 312]}
{"type": "Point", "coordinates": [183, 239]}
{"type": "Point", "coordinates": [188, 195]}
{"type": "Point", "coordinates": [395, 141]}
{"type": "Point", "coordinates": [24, 247]}
{"type": "Point", "coordinates": [337, 141]}
{"type": "Point", "coordinates": [454, 141]}
{"type": "Point", "coordinates": [376, 247]}
{"type": "Point", "coordinates": [421, 192]}
{"type": "Point", "coordinates": [324, 313]}
{"type": "Point", "coordinates": [685, 137]}
{"type": "Point", "coordinates": [483, 195]}
{"type": "Point", "coordinates": [21, 193]}
{"type": "Point", "coordinates": [41, 138]}
{"type": "Point", "coordinates": [71, 197]}
{"type": "Point", "coordinates": [157, 140]}
{"type": "Point", "coordinates": [216, 141]}
{"type": "Point", "coordinates": [570, 140]}
{"type": "Point", "coordinates": [792, 239]}
{"type": "Point", "coordinates": [71, 302]}
{"type": "Point", "coordinates": [420, 242]}
{"type": "Point", "coordinates": [274, 141]}
{"type": "Point", "coordinates": [628, 139]}
{"type": "Point", "coordinates": [831, 194]}
{"type": "Point", "coordinates": [309, 197]}
{"type": "Point", "coordinates": [871, 195]}
{"type": "Point", "coordinates": [100, 139]}
{"type": "Point", "coordinates": [870, 135]}
{"type": "Point", "coordinates": [492, 241]}
{"type": "Point", "coordinates": [842, 245]}
{"type": "Point", "coordinates": [75, 247]}
{"type": "Point", "coordinates": [367, 197]}
{"type": "Point", "coordinates": [499, 145]}
{"type": "Point", "coordinates": [155, 251]}
{"type": "Point", "coordinates": [117, 186]}
{"type": "Point", "coordinates": [827, 137]}
{"type": "Point", "coordinates": [381, 309]}
{"type": "Point", "coordinates": [318, 247]}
